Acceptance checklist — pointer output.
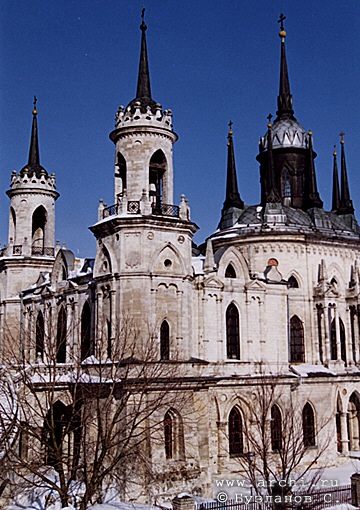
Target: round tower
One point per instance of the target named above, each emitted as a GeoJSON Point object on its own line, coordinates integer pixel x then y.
{"type": "Point", "coordinates": [144, 138]}
{"type": "Point", "coordinates": [32, 196]}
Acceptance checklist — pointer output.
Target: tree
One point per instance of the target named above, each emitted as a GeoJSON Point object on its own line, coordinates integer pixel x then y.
{"type": "Point", "coordinates": [84, 425]}
{"type": "Point", "coordinates": [277, 441]}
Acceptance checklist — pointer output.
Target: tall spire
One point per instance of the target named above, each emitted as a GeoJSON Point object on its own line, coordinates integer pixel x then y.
{"type": "Point", "coordinates": [272, 195]}
{"type": "Point", "coordinates": [313, 198]}
{"type": "Point", "coordinates": [143, 91]}
{"type": "Point", "coordinates": [34, 155]}
{"type": "Point", "coordinates": [232, 198]}
{"type": "Point", "coordinates": [33, 166]}
{"type": "Point", "coordinates": [346, 205]}
{"type": "Point", "coordinates": [336, 190]}
{"type": "Point", "coordinates": [285, 109]}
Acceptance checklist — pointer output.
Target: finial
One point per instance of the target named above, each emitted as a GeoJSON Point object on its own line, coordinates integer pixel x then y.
{"type": "Point", "coordinates": [34, 112]}
{"type": "Point", "coordinates": [230, 127]}
{"type": "Point", "coordinates": [282, 32]}
{"type": "Point", "coordinates": [269, 117]}
{"type": "Point", "coordinates": [143, 24]}
{"type": "Point", "coordinates": [334, 153]}
{"type": "Point", "coordinates": [342, 137]}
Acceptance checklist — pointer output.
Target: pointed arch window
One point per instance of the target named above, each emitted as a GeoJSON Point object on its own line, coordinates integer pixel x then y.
{"type": "Point", "coordinates": [286, 186]}
{"type": "Point", "coordinates": [157, 169]}
{"type": "Point", "coordinates": [86, 347]}
{"type": "Point", "coordinates": [38, 231]}
{"type": "Point", "coordinates": [236, 441]}
{"type": "Point", "coordinates": [333, 341]}
{"type": "Point", "coordinates": [338, 427]}
{"type": "Point", "coordinates": [39, 336]}
{"type": "Point", "coordinates": [230, 271]}
{"type": "Point", "coordinates": [353, 422]}
{"type": "Point", "coordinates": [276, 429]}
{"type": "Point", "coordinates": [232, 332]}
{"type": "Point", "coordinates": [293, 283]}
{"type": "Point", "coordinates": [121, 171]}
{"type": "Point", "coordinates": [308, 421]}
{"type": "Point", "coordinates": [173, 436]}
{"type": "Point", "coordinates": [12, 229]}
{"type": "Point", "coordinates": [297, 347]}
{"type": "Point", "coordinates": [164, 341]}
{"type": "Point", "coordinates": [61, 336]}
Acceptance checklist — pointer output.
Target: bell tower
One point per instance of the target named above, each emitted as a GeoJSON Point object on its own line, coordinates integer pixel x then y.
{"type": "Point", "coordinates": [144, 241]}
{"type": "Point", "coordinates": [32, 196]}
{"type": "Point", "coordinates": [143, 139]}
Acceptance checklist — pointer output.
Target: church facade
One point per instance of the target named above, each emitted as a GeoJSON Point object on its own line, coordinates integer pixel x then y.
{"type": "Point", "coordinates": [272, 295]}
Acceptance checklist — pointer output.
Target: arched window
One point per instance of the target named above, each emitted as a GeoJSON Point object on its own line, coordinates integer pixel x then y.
{"type": "Point", "coordinates": [342, 341]}
{"type": "Point", "coordinates": [38, 231]}
{"type": "Point", "coordinates": [285, 186]}
{"type": "Point", "coordinates": [232, 332]}
{"type": "Point", "coordinates": [297, 348]}
{"type": "Point", "coordinates": [157, 169]}
{"type": "Point", "coordinates": [333, 346]}
{"type": "Point", "coordinates": [164, 341]}
{"type": "Point", "coordinates": [333, 341]}
{"type": "Point", "coordinates": [173, 436]}
{"type": "Point", "coordinates": [276, 429]}
{"type": "Point", "coordinates": [12, 229]}
{"type": "Point", "coordinates": [230, 271]}
{"type": "Point", "coordinates": [293, 283]}
{"type": "Point", "coordinates": [39, 336]}
{"type": "Point", "coordinates": [338, 427]}
{"type": "Point", "coordinates": [354, 422]}
{"type": "Point", "coordinates": [236, 443]}
{"type": "Point", "coordinates": [121, 166]}
{"type": "Point", "coordinates": [61, 430]}
{"type": "Point", "coordinates": [308, 421]}
{"type": "Point", "coordinates": [61, 337]}
{"type": "Point", "coordinates": [86, 347]}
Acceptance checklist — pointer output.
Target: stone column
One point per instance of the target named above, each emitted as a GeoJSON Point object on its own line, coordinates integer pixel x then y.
{"type": "Point", "coordinates": [183, 503]}
{"type": "Point", "coordinates": [344, 438]}
{"type": "Point", "coordinates": [99, 325]}
{"type": "Point", "coordinates": [222, 444]}
{"type": "Point", "coordinates": [355, 489]}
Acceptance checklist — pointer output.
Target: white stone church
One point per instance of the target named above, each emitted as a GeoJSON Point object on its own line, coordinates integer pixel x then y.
{"type": "Point", "coordinates": [273, 293]}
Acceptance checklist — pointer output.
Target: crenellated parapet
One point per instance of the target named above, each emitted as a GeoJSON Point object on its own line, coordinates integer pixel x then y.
{"type": "Point", "coordinates": [29, 180]}
{"type": "Point", "coordinates": [134, 116]}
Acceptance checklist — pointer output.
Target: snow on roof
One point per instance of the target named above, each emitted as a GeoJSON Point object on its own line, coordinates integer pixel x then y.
{"type": "Point", "coordinates": [307, 370]}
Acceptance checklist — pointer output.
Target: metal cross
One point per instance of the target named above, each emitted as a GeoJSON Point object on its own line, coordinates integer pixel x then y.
{"type": "Point", "coordinates": [34, 102]}
{"type": "Point", "coordinates": [281, 21]}
{"type": "Point", "coordinates": [143, 13]}
{"type": "Point", "coordinates": [342, 135]}
{"type": "Point", "coordinates": [269, 117]}
{"type": "Point", "coordinates": [231, 125]}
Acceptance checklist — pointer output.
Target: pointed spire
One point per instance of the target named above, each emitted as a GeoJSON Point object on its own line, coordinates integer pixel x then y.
{"type": "Point", "coordinates": [285, 109]}
{"type": "Point", "coordinates": [143, 91]}
{"type": "Point", "coordinates": [33, 166]}
{"type": "Point", "coordinates": [336, 190]}
{"type": "Point", "coordinates": [273, 195]}
{"type": "Point", "coordinates": [232, 198]}
{"type": "Point", "coordinates": [346, 205]}
{"type": "Point", "coordinates": [313, 199]}
{"type": "Point", "coordinates": [34, 155]}
{"type": "Point", "coordinates": [209, 262]}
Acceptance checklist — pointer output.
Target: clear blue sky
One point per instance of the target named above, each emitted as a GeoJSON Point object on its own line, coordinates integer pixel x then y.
{"type": "Point", "coordinates": [210, 61]}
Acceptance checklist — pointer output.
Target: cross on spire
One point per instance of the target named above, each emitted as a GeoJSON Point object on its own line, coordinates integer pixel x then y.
{"type": "Point", "coordinates": [34, 103]}
{"type": "Point", "coordinates": [143, 13]}
{"type": "Point", "coordinates": [230, 126]}
{"type": "Point", "coordinates": [281, 21]}
{"type": "Point", "coordinates": [269, 117]}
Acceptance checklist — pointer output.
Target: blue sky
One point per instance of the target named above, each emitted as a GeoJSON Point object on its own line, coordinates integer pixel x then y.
{"type": "Point", "coordinates": [210, 62]}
